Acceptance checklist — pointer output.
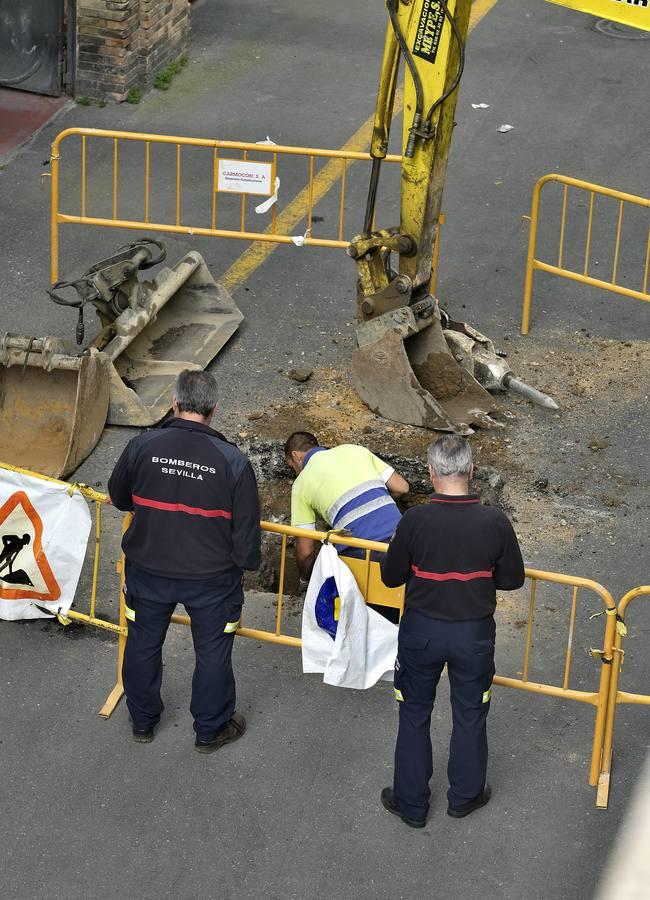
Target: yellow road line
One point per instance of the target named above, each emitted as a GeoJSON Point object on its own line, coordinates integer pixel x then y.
{"type": "Point", "coordinates": [480, 8]}
{"type": "Point", "coordinates": [296, 210]}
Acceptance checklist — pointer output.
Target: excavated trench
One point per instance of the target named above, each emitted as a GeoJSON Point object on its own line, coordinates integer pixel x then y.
{"type": "Point", "coordinates": [275, 480]}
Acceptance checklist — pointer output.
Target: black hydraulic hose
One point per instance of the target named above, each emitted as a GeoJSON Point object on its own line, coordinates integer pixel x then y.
{"type": "Point", "coordinates": [391, 6]}
{"type": "Point", "coordinates": [372, 195]}
{"type": "Point", "coordinates": [461, 63]}
{"type": "Point", "coordinates": [77, 303]}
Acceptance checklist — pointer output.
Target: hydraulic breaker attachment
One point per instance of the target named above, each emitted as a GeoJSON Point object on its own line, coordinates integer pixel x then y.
{"type": "Point", "coordinates": [152, 330]}
{"type": "Point", "coordinates": [53, 405]}
{"type": "Point", "coordinates": [476, 353]}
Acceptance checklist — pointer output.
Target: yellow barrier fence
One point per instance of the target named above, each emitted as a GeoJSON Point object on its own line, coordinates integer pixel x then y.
{"type": "Point", "coordinates": [584, 274]}
{"type": "Point", "coordinates": [170, 177]}
{"type": "Point", "coordinates": [98, 498]}
{"type": "Point", "coordinates": [367, 574]}
{"type": "Point", "coordinates": [368, 577]}
{"type": "Point", "coordinates": [615, 695]}
{"type": "Point", "coordinates": [214, 150]}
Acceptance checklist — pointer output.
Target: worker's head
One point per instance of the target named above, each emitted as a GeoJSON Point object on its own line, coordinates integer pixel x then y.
{"type": "Point", "coordinates": [297, 447]}
{"type": "Point", "coordinates": [450, 464]}
{"type": "Point", "coordinates": [195, 396]}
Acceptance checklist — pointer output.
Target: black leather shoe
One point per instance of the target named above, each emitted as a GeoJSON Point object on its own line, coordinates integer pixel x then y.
{"type": "Point", "coordinates": [459, 812]}
{"type": "Point", "coordinates": [142, 735]}
{"type": "Point", "coordinates": [389, 803]}
{"type": "Point", "coordinates": [232, 732]}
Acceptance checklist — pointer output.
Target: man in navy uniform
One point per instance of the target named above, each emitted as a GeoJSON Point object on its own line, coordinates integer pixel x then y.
{"type": "Point", "coordinates": [195, 528]}
{"type": "Point", "coordinates": [453, 554]}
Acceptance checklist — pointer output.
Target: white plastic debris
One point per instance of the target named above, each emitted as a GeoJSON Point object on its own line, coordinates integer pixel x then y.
{"type": "Point", "coordinates": [480, 105]}
{"type": "Point", "coordinates": [268, 142]}
{"type": "Point", "coordinates": [300, 239]}
{"type": "Point", "coordinates": [504, 128]}
{"type": "Point", "coordinates": [268, 203]}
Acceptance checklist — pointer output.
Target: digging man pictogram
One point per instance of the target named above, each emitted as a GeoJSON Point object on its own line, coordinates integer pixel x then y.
{"type": "Point", "coordinates": [12, 546]}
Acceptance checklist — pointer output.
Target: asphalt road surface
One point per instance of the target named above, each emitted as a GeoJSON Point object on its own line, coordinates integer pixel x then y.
{"type": "Point", "coordinates": [292, 811]}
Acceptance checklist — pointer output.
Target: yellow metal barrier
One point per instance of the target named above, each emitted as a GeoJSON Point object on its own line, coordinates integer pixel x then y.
{"type": "Point", "coordinates": [596, 698]}
{"type": "Point", "coordinates": [616, 696]}
{"type": "Point", "coordinates": [368, 576]}
{"type": "Point", "coordinates": [337, 163]}
{"type": "Point", "coordinates": [98, 498]}
{"type": "Point", "coordinates": [583, 276]}
{"type": "Point", "coordinates": [365, 572]}
{"type": "Point", "coordinates": [214, 151]}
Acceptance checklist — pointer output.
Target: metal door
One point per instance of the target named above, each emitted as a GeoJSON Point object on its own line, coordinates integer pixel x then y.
{"type": "Point", "coordinates": [31, 45]}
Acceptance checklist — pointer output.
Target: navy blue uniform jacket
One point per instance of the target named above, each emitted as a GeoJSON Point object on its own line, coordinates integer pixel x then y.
{"type": "Point", "coordinates": [453, 553]}
{"type": "Point", "coordinates": [195, 502]}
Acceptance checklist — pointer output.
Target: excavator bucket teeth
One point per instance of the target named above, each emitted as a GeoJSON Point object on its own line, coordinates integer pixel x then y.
{"type": "Point", "coordinates": [416, 381]}
{"type": "Point", "coordinates": [463, 399]}
{"type": "Point", "coordinates": [195, 318]}
{"type": "Point", "coordinates": [51, 417]}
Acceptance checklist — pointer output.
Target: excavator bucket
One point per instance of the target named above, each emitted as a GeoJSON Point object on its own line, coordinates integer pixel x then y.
{"type": "Point", "coordinates": [53, 406]}
{"type": "Point", "coordinates": [183, 320]}
{"type": "Point", "coordinates": [403, 370]}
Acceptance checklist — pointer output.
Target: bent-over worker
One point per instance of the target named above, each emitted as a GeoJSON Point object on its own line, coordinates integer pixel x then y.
{"type": "Point", "coordinates": [346, 486]}
{"type": "Point", "coordinates": [195, 528]}
{"type": "Point", "coordinates": [453, 553]}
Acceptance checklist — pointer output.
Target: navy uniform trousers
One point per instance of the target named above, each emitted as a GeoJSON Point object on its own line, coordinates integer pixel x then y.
{"type": "Point", "coordinates": [214, 607]}
{"type": "Point", "coordinates": [424, 646]}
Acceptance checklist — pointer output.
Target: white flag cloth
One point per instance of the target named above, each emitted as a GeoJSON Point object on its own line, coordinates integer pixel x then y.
{"type": "Point", "coordinates": [351, 644]}
{"type": "Point", "coordinates": [43, 536]}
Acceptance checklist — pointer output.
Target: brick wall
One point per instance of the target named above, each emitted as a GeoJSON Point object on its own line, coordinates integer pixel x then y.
{"type": "Point", "coordinates": [123, 43]}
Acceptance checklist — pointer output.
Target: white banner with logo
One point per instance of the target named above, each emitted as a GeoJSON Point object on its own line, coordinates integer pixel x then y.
{"type": "Point", "coordinates": [44, 528]}
{"type": "Point", "coordinates": [351, 644]}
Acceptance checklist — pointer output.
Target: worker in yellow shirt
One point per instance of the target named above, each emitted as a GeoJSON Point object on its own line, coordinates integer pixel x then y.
{"type": "Point", "coordinates": [348, 487]}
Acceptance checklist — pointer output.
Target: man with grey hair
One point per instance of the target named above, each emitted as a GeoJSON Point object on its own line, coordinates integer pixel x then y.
{"type": "Point", "coordinates": [453, 554]}
{"type": "Point", "coordinates": [195, 528]}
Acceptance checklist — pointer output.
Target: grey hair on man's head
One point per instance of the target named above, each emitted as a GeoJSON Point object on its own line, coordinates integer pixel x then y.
{"type": "Point", "coordinates": [450, 455]}
{"type": "Point", "coordinates": [196, 392]}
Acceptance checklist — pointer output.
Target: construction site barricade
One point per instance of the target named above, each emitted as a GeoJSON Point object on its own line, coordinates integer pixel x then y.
{"type": "Point", "coordinates": [617, 696]}
{"type": "Point", "coordinates": [367, 574]}
{"type": "Point", "coordinates": [583, 271]}
{"type": "Point", "coordinates": [99, 499]}
{"type": "Point", "coordinates": [106, 206]}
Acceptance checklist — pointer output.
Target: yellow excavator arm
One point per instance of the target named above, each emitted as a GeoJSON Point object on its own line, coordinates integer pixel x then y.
{"type": "Point", "coordinates": [430, 35]}
{"type": "Point", "coordinates": [413, 364]}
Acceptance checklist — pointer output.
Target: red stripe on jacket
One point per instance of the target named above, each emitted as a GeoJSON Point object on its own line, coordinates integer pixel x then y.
{"type": "Point", "coordinates": [451, 576]}
{"type": "Point", "coordinates": [181, 507]}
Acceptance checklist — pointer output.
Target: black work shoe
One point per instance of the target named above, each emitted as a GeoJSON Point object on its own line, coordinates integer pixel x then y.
{"type": "Point", "coordinates": [232, 732]}
{"type": "Point", "coordinates": [459, 812]}
{"type": "Point", "coordinates": [142, 735]}
{"type": "Point", "coordinates": [390, 803]}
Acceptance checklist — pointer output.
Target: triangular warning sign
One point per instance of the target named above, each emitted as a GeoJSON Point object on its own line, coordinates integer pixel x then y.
{"type": "Point", "coordinates": [24, 570]}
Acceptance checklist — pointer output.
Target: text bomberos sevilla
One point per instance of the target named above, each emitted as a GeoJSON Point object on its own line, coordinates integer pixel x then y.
{"type": "Point", "coordinates": [183, 467]}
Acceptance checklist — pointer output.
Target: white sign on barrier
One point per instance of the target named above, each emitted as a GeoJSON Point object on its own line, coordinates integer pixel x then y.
{"type": "Point", "coordinates": [43, 535]}
{"type": "Point", "coordinates": [241, 176]}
